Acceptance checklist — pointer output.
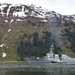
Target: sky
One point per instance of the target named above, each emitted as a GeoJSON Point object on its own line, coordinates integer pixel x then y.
{"type": "Point", "coordinates": [64, 7]}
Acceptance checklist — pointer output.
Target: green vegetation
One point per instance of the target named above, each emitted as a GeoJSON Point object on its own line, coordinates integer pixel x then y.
{"type": "Point", "coordinates": [37, 47]}
{"type": "Point", "coordinates": [28, 39]}
{"type": "Point", "coordinates": [71, 38]}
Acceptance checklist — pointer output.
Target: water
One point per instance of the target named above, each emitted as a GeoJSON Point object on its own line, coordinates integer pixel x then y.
{"type": "Point", "coordinates": [22, 68]}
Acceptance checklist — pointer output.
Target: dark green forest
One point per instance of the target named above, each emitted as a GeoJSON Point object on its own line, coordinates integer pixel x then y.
{"type": "Point", "coordinates": [38, 47]}
{"type": "Point", "coordinates": [71, 37]}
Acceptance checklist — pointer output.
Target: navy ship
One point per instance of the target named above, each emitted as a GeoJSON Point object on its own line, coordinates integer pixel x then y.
{"type": "Point", "coordinates": [52, 58]}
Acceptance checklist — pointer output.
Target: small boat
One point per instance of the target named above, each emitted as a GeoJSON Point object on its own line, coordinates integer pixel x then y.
{"type": "Point", "coordinates": [52, 58]}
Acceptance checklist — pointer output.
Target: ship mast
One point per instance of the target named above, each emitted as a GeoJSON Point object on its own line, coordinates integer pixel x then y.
{"type": "Point", "coordinates": [51, 52]}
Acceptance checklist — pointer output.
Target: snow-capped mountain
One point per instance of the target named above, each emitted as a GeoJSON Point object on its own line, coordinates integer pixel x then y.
{"type": "Point", "coordinates": [23, 11]}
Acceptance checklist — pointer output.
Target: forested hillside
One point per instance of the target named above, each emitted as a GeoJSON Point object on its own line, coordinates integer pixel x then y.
{"type": "Point", "coordinates": [28, 31]}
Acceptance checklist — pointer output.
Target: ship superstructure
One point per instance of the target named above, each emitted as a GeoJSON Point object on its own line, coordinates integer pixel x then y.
{"type": "Point", "coordinates": [52, 58]}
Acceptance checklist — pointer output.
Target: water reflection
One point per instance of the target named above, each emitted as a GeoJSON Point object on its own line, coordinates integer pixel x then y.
{"type": "Point", "coordinates": [40, 70]}
{"type": "Point", "coordinates": [26, 73]}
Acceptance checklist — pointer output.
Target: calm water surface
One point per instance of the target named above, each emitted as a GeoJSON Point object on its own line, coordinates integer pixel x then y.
{"type": "Point", "coordinates": [36, 69]}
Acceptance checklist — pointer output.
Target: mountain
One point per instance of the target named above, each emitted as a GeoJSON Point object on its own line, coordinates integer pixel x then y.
{"type": "Point", "coordinates": [28, 30]}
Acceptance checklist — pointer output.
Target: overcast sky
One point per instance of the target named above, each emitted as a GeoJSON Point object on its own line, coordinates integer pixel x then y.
{"type": "Point", "coordinates": [65, 7]}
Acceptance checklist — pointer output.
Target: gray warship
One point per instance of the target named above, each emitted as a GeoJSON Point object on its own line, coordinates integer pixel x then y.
{"type": "Point", "coordinates": [52, 58]}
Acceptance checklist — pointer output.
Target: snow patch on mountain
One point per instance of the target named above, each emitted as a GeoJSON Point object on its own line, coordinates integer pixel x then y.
{"type": "Point", "coordinates": [20, 10]}
{"type": "Point", "coordinates": [6, 21]}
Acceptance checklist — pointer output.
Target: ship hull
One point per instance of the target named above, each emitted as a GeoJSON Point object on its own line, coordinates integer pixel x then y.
{"type": "Point", "coordinates": [30, 60]}
{"type": "Point", "coordinates": [33, 60]}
